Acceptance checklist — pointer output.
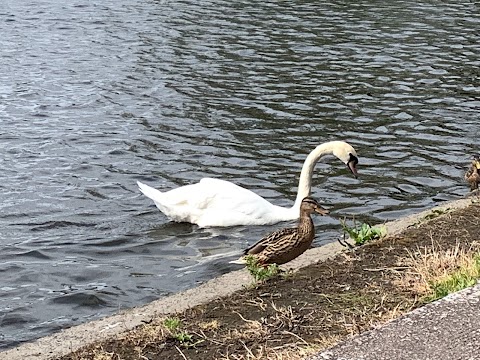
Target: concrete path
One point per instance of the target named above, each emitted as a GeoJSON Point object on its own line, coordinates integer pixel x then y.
{"type": "Point", "coordinates": [448, 329]}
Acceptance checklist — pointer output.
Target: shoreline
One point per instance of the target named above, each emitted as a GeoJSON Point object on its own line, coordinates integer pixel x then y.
{"type": "Point", "coordinates": [71, 339]}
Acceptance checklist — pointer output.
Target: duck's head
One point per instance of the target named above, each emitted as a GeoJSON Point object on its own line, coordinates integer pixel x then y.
{"type": "Point", "coordinates": [346, 153]}
{"type": "Point", "coordinates": [476, 162]}
{"type": "Point", "coordinates": [310, 205]}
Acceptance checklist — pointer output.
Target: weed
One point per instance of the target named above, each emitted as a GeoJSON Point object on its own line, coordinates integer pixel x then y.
{"type": "Point", "coordinates": [436, 213]}
{"type": "Point", "coordinates": [259, 272]}
{"type": "Point", "coordinates": [183, 337]}
{"type": "Point", "coordinates": [363, 233]}
{"type": "Point", "coordinates": [432, 215]}
{"type": "Point", "coordinates": [172, 324]}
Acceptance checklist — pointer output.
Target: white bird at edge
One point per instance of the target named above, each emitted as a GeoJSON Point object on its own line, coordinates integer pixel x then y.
{"type": "Point", "coordinates": [214, 202]}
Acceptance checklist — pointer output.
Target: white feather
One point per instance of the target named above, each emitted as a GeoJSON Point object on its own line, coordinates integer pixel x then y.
{"type": "Point", "coordinates": [215, 202]}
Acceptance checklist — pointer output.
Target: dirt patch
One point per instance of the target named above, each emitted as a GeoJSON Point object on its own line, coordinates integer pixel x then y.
{"type": "Point", "coordinates": [309, 310]}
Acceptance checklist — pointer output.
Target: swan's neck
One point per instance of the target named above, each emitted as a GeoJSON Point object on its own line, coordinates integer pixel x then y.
{"type": "Point", "coordinates": [305, 182]}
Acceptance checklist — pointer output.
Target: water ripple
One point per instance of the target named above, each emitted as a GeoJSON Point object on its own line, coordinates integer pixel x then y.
{"type": "Point", "coordinates": [97, 96]}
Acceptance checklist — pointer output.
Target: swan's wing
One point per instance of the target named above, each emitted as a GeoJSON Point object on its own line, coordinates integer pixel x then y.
{"type": "Point", "coordinates": [221, 191]}
{"type": "Point", "coordinates": [222, 199]}
{"type": "Point", "coordinates": [211, 202]}
{"type": "Point", "coordinates": [269, 240]}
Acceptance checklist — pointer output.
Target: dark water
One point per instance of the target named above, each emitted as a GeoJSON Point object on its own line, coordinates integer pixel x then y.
{"type": "Point", "coordinates": [97, 95]}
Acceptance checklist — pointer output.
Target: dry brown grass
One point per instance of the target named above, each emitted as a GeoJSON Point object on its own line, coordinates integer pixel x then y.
{"type": "Point", "coordinates": [430, 266]}
{"type": "Point", "coordinates": [261, 332]}
{"type": "Point", "coordinates": [105, 356]}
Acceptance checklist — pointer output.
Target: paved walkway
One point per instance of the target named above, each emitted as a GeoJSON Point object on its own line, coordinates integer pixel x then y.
{"type": "Point", "coordinates": [448, 329]}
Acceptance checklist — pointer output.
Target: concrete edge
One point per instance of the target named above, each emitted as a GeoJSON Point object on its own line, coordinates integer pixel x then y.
{"type": "Point", "coordinates": [73, 338]}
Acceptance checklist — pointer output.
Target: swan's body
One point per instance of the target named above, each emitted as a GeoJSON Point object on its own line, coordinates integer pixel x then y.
{"type": "Point", "coordinates": [285, 245]}
{"type": "Point", "coordinates": [215, 202]}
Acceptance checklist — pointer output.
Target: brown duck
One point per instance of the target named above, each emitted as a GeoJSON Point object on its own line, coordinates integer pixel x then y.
{"type": "Point", "coordinates": [472, 176]}
{"type": "Point", "coordinates": [285, 245]}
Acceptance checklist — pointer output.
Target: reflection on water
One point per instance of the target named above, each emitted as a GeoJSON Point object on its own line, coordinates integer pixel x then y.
{"type": "Point", "coordinates": [97, 96]}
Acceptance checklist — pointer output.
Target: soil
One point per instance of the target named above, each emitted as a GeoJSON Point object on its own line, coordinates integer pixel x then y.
{"type": "Point", "coordinates": [293, 315]}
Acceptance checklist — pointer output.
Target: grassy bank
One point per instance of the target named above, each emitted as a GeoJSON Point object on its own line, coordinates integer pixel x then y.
{"type": "Point", "coordinates": [289, 317]}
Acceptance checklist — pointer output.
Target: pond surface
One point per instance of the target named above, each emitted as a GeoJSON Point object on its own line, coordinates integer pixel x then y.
{"type": "Point", "coordinates": [97, 95]}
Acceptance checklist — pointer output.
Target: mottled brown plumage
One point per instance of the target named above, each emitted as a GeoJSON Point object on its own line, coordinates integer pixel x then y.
{"type": "Point", "coordinates": [285, 245]}
{"type": "Point", "coordinates": [472, 176]}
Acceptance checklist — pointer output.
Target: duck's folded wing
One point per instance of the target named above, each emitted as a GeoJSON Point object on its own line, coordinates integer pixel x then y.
{"type": "Point", "coordinates": [269, 240]}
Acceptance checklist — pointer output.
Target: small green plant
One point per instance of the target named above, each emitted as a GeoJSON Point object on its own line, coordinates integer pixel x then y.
{"type": "Point", "coordinates": [172, 324]}
{"type": "Point", "coordinates": [259, 272]}
{"type": "Point", "coordinates": [363, 233]}
{"type": "Point", "coordinates": [184, 338]}
{"type": "Point", "coordinates": [463, 277]}
{"type": "Point", "coordinates": [434, 213]}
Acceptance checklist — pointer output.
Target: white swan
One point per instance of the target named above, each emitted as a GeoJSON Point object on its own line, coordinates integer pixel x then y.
{"type": "Point", "coordinates": [215, 202]}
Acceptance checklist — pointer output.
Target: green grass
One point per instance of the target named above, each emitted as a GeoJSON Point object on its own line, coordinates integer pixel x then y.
{"type": "Point", "coordinates": [463, 277]}
{"type": "Point", "coordinates": [363, 233]}
{"type": "Point", "coordinates": [259, 272]}
{"type": "Point", "coordinates": [184, 338]}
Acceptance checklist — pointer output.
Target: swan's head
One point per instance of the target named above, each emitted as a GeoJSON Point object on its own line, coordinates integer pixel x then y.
{"type": "Point", "coordinates": [347, 154]}
{"type": "Point", "coordinates": [310, 205]}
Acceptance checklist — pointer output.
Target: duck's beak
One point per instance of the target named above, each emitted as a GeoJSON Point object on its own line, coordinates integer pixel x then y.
{"type": "Point", "coordinates": [321, 211]}
{"type": "Point", "coordinates": [477, 164]}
